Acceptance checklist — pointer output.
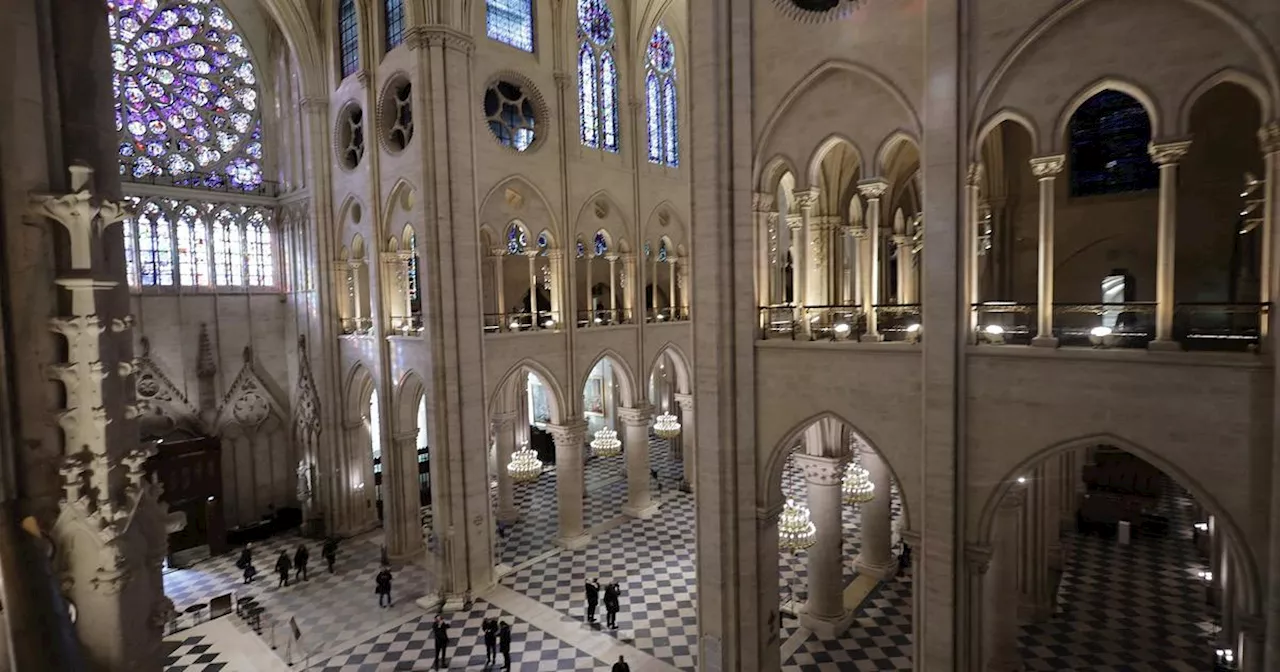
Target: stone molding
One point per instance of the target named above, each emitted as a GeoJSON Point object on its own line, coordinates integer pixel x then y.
{"type": "Point", "coordinates": [977, 558]}
{"type": "Point", "coordinates": [570, 435]}
{"type": "Point", "coordinates": [763, 202]}
{"type": "Point", "coordinates": [307, 404]}
{"type": "Point", "coordinates": [1269, 138]}
{"type": "Point", "coordinates": [769, 514]}
{"type": "Point", "coordinates": [420, 37]}
{"type": "Point", "coordinates": [973, 177]}
{"type": "Point", "coordinates": [1014, 498]}
{"type": "Point", "coordinates": [873, 188]}
{"type": "Point", "coordinates": [206, 366]}
{"type": "Point", "coordinates": [843, 9]}
{"type": "Point", "coordinates": [1048, 167]}
{"type": "Point", "coordinates": [807, 198]}
{"type": "Point", "coordinates": [1168, 153]}
{"type": "Point", "coordinates": [822, 470]}
{"type": "Point", "coordinates": [636, 417]}
{"type": "Point", "coordinates": [500, 421]}
{"type": "Point", "coordinates": [685, 401]}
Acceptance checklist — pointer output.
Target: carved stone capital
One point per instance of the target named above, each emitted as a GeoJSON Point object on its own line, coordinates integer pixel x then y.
{"type": "Point", "coordinates": [1168, 153]}
{"type": "Point", "coordinates": [807, 198]}
{"type": "Point", "coordinates": [769, 515]}
{"type": "Point", "coordinates": [362, 76]}
{"type": "Point", "coordinates": [859, 231]}
{"type": "Point", "coordinates": [573, 435]}
{"type": "Point", "coordinates": [562, 79]}
{"type": "Point", "coordinates": [1047, 167]}
{"type": "Point", "coordinates": [973, 177]}
{"type": "Point", "coordinates": [314, 105]}
{"type": "Point", "coordinates": [822, 470]}
{"type": "Point", "coordinates": [640, 416]}
{"type": "Point", "coordinates": [902, 240]}
{"type": "Point", "coordinates": [448, 38]}
{"type": "Point", "coordinates": [763, 202]}
{"type": "Point", "coordinates": [978, 558]}
{"type": "Point", "coordinates": [685, 401]}
{"type": "Point", "coordinates": [873, 188]}
{"type": "Point", "coordinates": [1269, 138]}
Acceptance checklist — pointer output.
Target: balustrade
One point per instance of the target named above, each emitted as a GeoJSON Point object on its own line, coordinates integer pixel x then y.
{"type": "Point", "coordinates": [1000, 322]}
{"type": "Point", "coordinates": [899, 322]}
{"type": "Point", "coordinates": [1130, 324]}
{"type": "Point", "coordinates": [502, 323]}
{"type": "Point", "coordinates": [826, 323]}
{"type": "Point", "coordinates": [356, 326]}
{"type": "Point", "coordinates": [1219, 326]}
{"type": "Point", "coordinates": [604, 317]}
{"type": "Point", "coordinates": [407, 326]}
{"type": "Point", "coordinates": [668, 314]}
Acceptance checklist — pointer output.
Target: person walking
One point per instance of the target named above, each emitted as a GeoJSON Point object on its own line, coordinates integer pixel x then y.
{"type": "Point", "coordinates": [249, 572]}
{"type": "Point", "coordinates": [621, 665]}
{"type": "Point", "coordinates": [490, 629]}
{"type": "Point", "coordinates": [329, 552]}
{"type": "Point", "coordinates": [653, 474]}
{"type": "Point", "coordinates": [382, 586]}
{"type": "Point", "coordinates": [300, 558]}
{"type": "Point", "coordinates": [593, 598]}
{"type": "Point", "coordinates": [246, 558]}
{"type": "Point", "coordinates": [441, 631]}
{"type": "Point", "coordinates": [282, 568]}
{"type": "Point", "coordinates": [504, 644]}
{"type": "Point", "coordinates": [904, 558]}
{"type": "Point", "coordinates": [611, 604]}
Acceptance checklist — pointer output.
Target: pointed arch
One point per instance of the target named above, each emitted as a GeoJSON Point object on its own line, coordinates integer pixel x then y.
{"type": "Point", "coordinates": [769, 486]}
{"type": "Point", "coordinates": [556, 403]}
{"type": "Point", "coordinates": [814, 174]}
{"type": "Point", "coordinates": [892, 145]}
{"type": "Point", "coordinates": [356, 392]}
{"type": "Point", "coordinates": [627, 385]}
{"type": "Point", "coordinates": [400, 199]}
{"type": "Point", "coordinates": [1225, 76]}
{"type": "Point", "coordinates": [1128, 88]}
{"type": "Point", "coordinates": [772, 171]}
{"type": "Point", "coordinates": [350, 209]}
{"type": "Point", "coordinates": [1235, 533]}
{"type": "Point", "coordinates": [684, 380]}
{"type": "Point", "coordinates": [587, 220]}
{"type": "Point", "coordinates": [409, 391]}
{"type": "Point", "coordinates": [999, 117]}
{"type": "Point", "coordinates": [522, 185]}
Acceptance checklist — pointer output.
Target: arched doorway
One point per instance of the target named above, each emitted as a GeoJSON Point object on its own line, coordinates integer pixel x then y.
{"type": "Point", "coordinates": [616, 472]}
{"type": "Point", "coordinates": [670, 394]}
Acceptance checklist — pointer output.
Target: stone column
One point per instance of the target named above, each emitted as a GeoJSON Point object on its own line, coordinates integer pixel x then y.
{"type": "Point", "coordinates": [673, 299]}
{"type": "Point", "coordinates": [978, 562]}
{"type": "Point", "coordinates": [973, 192]}
{"type": "Point", "coordinates": [1252, 645]}
{"type": "Point", "coordinates": [505, 443]}
{"type": "Point", "coordinates": [591, 299]}
{"type": "Point", "coordinates": [403, 522]}
{"type": "Point", "coordinates": [1046, 169]}
{"type": "Point", "coordinates": [1000, 620]}
{"type": "Point", "coordinates": [1269, 142]}
{"type": "Point", "coordinates": [849, 252]}
{"type": "Point", "coordinates": [903, 244]}
{"type": "Point", "coordinates": [357, 294]}
{"type": "Point", "coordinates": [635, 423]}
{"type": "Point", "coordinates": [875, 558]}
{"type": "Point", "coordinates": [1166, 155]}
{"type": "Point", "coordinates": [805, 200]}
{"type": "Point", "coordinates": [570, 488]}
{"type": "Point", "coordinates": [861, 255]}
{"type": "Point", "coordinates": [688, 440]}
{"type": "Point", "coordinates": [532, 255]}
{"type": "Point", "coordinates": [824, 613]}
{"type": "Point", "coordinates": [500, 289]}
{"type": "Point", "coordinates": [872, 190]}
{"type": "Point", "coordinates": [628, 282]}
{"type": "Point", "coordinates": [613, 287]}
{"type": "Point", "coordinates": [1036, 602]}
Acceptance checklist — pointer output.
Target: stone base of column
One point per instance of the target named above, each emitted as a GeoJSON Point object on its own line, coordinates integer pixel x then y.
{"type": "Point", "coordinates": [508, 517]}
{"type": "Point", "coordinates": [644, 511]}
{"type": "Point", "coordinates": [871, 338]}
{"type": "Point", "coordinates": [405, 558]}
{"type": "Point", "coordinates": [574, 543]}
{"type": "Point", "coordinates": [432, 604]}
{"type": "Point", "coordinates": [1004, 663]}
{"type": "Point", "coordinates": [1164, 346]}
{"type": "Point", "coordinates": [825, 627]}
{"type": "Point", "coordinates": [883, 572]}
{"type": "Point", "coordinates": [686, 486]}
{"type": "Point", "coordinates": [1045, 341]}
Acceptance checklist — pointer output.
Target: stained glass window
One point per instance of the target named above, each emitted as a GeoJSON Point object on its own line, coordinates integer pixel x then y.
{"type": "Point", "coordinates": [646, 248]}
{"type": "Point", "coordinates": [510, 22]}
{"type": "Point", "coordinates": [602, 244]}
{"type": "Point", "coordinates": [393, 15]}
{"type": "Point", "coordinates": [415, 299]}
{"type": "Point", "coordinates": [1109, 135]}
{"type": "Point", "coordinates": [517, 239]}
{"type": "Point", "coordinates": [130, 253]}
{"type": "Point", "coordinates": [544, 244]}
{"type": "Point", "coordinates": [228, 262]}
{"type": "Point", "coordinates": [660, 98]}
{"type": "Point", "coordinates": [193, 248]}
{"type": "Point", "coordinates": [348, 38]}
{"type": "Point", "coordinates": [662, 252]}
{"type": "Point", "coordinates": [597, 76]}
{"type": "Point", "coordinates": [187, 94]}
{"type": "Point", "coordinates": [261, 262]}
{"type": "Point", "coordinates": [582, 249]}
{"type": "Point", "coordinates": [511, 116]}
{"type": "Point", "coordinates": [155, 247]}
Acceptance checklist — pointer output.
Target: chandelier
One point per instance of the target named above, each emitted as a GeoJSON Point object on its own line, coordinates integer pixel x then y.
{"type": "Point", "coordinates": [857, 486]}
{"type": "Point", "coordinates": [525, 466]}
{"type": "Point", "coordinates": [606, 443]}
{"type": "Point", "coordinates": [795, 531]}
{"type": "Point", "coordinates": [666, 426]}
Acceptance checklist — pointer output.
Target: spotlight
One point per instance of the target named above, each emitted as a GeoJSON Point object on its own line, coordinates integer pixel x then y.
{"type": "Point", "coordinates": [1022, 480]}
{"type": "Point", "coordinates": [913, 333]}
{"type": "Point", "coordinates": [1102, 337]}
{"type": "Point", "coordinates": [1202, 527]}
{"type": "Point", "coordinates": [515, 325]}
{"type": "Point", "coordinates": [841, 331]}
{"type": "Point", "coordinates": [601, 321]}
{"type": "Point", "coordinates": [549, 324]}
{"type": "Point", "coordinates": [993, 334]}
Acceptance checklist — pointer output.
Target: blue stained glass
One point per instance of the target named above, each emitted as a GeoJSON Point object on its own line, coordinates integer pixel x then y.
{"type": "Point", "coordinates": [517, 240]}
{"type": "Point", "coordinates": [1109, 136]}
{"type": "Point", "coordinates": [186, 93]}
{"type": "Point", "coordinates": [510, 22]}
{"type": "Point", "coordinates": [662, 53]}
{"type": "Point", "coordinates": [608, 102]}
{"type": "Point", "coordinates": [582, 250]}
{"type": "Point", "coordinates": [670, 115]}
{"type": "Point", "coordinates": [595, 20]}
{"type": "Point", "coordinates": [413, 270]}
{"type": "Point", "coordinates": [155, 247]}
{"type": "Point", "coordinates": [653, 117]}
{"type": "Point", "coordinates": [542, 241]}
{"type": "Point", "coordinates": [393, 16]}
{"type": "Point", "coordinates": [646, 248]}
{"type": "Point", "coordinates": [662, 251]}
{"type": "Point", "coordinates": [348, 38]}
{"type": "Point", "coordinates": [602, 244]}
{"type": "Point", "coordinates": [260, 257]}
{"type": "Point", "coordinates": [588, 107]}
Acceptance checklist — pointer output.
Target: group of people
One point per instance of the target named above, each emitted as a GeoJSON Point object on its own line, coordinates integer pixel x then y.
{"type": "Point", "coordinates": [298, 565]}
{"type": "Point", "coordinates": [497, 639]}
{"type": "Point", "coordinates": [612, 604]}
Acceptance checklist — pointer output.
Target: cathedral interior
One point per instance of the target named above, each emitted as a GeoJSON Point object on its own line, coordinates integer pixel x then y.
{"type": "Point", "coordinates": [839, 335]}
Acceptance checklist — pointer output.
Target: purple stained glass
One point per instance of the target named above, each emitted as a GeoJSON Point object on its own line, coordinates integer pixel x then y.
{"type": "Point", "coordinates": [662, 53]}
{"type": "Point", "coordinates": [595, 20]}
{"type": "Point", "coordinates": [188, 104]}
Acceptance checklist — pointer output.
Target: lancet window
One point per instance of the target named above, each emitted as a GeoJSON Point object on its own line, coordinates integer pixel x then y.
{"type": "Point", "coordinates": [660, 99]}
{"type": "Point", "coordinates": [597, 76]}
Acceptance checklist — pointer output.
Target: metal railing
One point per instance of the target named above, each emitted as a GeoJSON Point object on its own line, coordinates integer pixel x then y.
{"type": "Point", "coordinates": [356, 326]}
{"type": "Point", "coordinates": [815, 323]}
{"type": "Point", "coordinates": [1001, 322]}
{"type": "Point", "coordinates": [604, 317]}
{"type": "Point", "coordinates": [503, 323]}
{"type": "Point", "coordinates": [1131, 324]}
{"type": "Point", "coordinates": [899, 322]}
{"type": "Point", "coordinates": [1219, 326]}
{"type": "Point", "coordinates": [410, 325]}
{"type": "Point", "coordinates": [668, 314]}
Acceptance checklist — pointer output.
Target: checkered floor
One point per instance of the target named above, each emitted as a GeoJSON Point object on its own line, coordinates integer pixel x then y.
{"type": "Point", "coordinates": [193, 654]}
{"type": "Point", "coordinates": [330, 608]}
{"type": "Point", "coordinates": [878, 639]}
{"type": "Point", "coordinates": [411, 646]}
{"type": "Point", "coordinates": [1135, 608]}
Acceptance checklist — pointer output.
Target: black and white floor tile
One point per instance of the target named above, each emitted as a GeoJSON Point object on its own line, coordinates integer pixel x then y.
{"type": "Point", "coordinates": [193, 654]}
{"type": "Point", "coordinates": [878, 639]}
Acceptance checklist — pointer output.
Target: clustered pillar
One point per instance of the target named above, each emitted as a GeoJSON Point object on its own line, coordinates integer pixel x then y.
{"type": "Point", "coordinates": [688, 440]}
{"type": "Point", "coordinates": [504, 446]}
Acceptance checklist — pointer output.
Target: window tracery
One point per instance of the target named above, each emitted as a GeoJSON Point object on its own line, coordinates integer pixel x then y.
{"type": "Point", "coordinates": [510, 22]}
{"type": "Point", "coordinates": [1109, 135]}
{"type": "Point", "coordinates": [187, 94]}
{"type": "Point", "coordinates": [393, 22]}
{"type": "Point", "coordinates": [597, 76]}
{"type": "Point", "coordinates": [348, 38]}
{"type": "Point", "coordinates": [601, 244]}
{"type": "Point", "coordinates": [511, 115]}
{"type": "Point", "coordinates": [517, 239]}
{"type": "Point", "coordinates": [172, 243]}
{"type": "Point", "coordinates": [660, 96]}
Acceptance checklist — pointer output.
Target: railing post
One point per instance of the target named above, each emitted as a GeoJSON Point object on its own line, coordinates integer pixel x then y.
{"type": "Point", "coordinates": [1269, 139]}
{"type": "Point", "coordinates": [1166, 155]}
{"type": "Point", "coordinates": [973, 181]}
{"type": "Point", "coordinates": [1046, 168]}
{"type": "Point", "coordinates": [802, 263]}
{"type": "Point", "coordinates": [872, 190]}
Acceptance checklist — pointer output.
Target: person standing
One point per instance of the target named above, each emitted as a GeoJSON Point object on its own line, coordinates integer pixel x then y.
{"type": "Point", "coordinates": [611, 604]}
{"type": "Point", "coordinates": [330, 552]}
{"type": "Point", "coordinates": [593, 598]}
{"type": "Point", "coordinates": [504, 644]}
{"type": "Point", "coordinates": [490, 629]}
{"type": "Point", "coordinates": [246, 558]}
{"type": "Point", "coordinates": [441, 631]}
{"type": "Point", "coordinates": [621, 665]}
{"type": "Point", "coordinates": [382, 586]}
{"type": "Point", "coordinates": [300, 558]}
{"type": "Point", "coordinates": [282, 568]}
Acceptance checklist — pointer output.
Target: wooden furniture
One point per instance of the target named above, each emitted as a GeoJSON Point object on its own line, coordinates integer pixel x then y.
{"type": "Point", "coordinates": [190, 469]}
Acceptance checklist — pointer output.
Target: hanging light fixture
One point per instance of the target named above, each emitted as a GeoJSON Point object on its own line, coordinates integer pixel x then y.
{"type": "Point", "coordinates": [606, 443]}
{"type": "Point", "coordinates": [525, 466]}
{"type": "Point", "coordinates": [795, 531]}
{"type": "Point", "coordinates": [857, 486]}
{"type": "Point", "coordinates": [666, 426]}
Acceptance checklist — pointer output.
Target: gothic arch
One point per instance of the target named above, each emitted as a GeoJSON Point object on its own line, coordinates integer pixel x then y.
{"type": "Point", "coordinates": [1225, 76]}
{"type": "Point", "coordinates": [1201, 494]}
{"type": "Point", "coordinates": [400, 201]}
{"type": "Point", "coordinates": [814, 174]}
{"type": "Point", "coordinates": [627, 390]}
{"type": "Point", "coordinates": [409, 391]}
{"type": "Point", "coordinates": [522, 186]}
{"type": "Point", "coordinates": [773, 171]}
{"type": "Point", "coordinates": [684, 383]}
{"type": "Point", "coordinates": [769, 485]}
{"type": "Point", "coordinates": [303, 38]}
{"type": "Point", "coordinates": [891, 146]}
{"type": "Point", "coordinates": [1058, 141]}
{"type": "Point", "coordinates": [589, 220]}
{"type": "Point", "coordinates": [332, 41]}
{"type": "Point", "coordinates": [359, 386]}
{"type": "Point", "coordinates": [675, 223]}
{"type": "Point", "coordinates": [556, 402]}
{"type": "Point", "coordinates": [1002, 115]}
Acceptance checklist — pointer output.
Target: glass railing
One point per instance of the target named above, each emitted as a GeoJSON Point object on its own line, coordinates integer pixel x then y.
{"type": "Point", "coordinates": [1219, 326]}
{"type": "Point", "coordinates": [899, 322]}
{"type": "Point", "coordinates": [603, 317]}
{"type": "Point", "coordinates": [1004, 322]}
{"type": "Point", "coordinates": [507, 323]}
{"type": "Point", "coordinates": [1131, 324]}
{"type": "Point", "coordinates": [668, 314]}
{"type": "Point", "coordinates": [815, 323]}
